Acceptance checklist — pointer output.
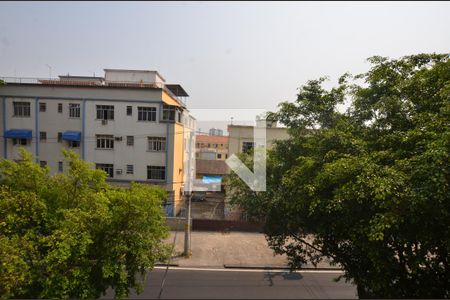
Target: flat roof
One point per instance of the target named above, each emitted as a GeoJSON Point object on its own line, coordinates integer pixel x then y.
{"type": "Point", "coordinates": [177, 90]}
{"type": "Point", "coordinates": [84, 77]}
{"type": "Point", "coordinates": [221, 139]}
{"type": "Point", "coordinates": [140, 71]}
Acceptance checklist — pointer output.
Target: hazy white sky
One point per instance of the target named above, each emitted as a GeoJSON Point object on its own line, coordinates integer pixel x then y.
{"type": "Point", "coordinates": [226, 55]}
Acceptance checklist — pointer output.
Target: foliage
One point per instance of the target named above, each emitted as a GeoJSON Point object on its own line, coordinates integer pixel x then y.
{"type": "Point", "coordinates": [72, 235]}
{"type": "Point", "coordinates": [370, 185]}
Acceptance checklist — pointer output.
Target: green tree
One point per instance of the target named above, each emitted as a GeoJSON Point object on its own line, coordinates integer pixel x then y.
{"type": "Point", "coordinates": [72, 235]}
{"type": "Point", "coordinates": [369, 187]}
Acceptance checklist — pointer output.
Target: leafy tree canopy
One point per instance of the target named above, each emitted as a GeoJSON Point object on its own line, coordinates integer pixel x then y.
{"type": "Point", "coordinates": [368, 187]}
{"type": "Point", "coordinates": [72, 235]}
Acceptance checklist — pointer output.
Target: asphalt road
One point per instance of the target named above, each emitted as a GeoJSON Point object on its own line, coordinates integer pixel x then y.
{"type": "Point", "coordinates": [242, 284]}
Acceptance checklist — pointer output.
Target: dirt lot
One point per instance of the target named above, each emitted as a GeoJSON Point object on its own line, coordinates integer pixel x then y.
{"type": "Point", "coordinates": [211, 208]}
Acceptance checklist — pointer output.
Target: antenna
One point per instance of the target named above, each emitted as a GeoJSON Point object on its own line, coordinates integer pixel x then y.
{"type": "Point", "coordinates": [231, 121]}
{"type": "Point", "coordinates": [49, 70]}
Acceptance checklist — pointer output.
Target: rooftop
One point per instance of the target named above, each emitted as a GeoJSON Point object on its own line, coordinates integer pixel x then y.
{"type": "Point", "coordinates": [175, 90]}
{"type": "Point", "coordinates": [218, 139]}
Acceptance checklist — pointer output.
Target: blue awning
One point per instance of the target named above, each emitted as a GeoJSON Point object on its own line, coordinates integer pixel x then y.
{"type": "Point", "coordinates": [18, 134]}
{"type": "Point", "coordinates": [71, 136]}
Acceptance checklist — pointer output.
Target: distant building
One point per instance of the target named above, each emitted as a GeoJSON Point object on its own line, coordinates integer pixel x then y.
{"type": "Point", "coordinates": [130, 123]}
{"type": "Point", "coordinates": [211, 153]}
{"type": "Point", "coordinates": [215, 131]}
{"type": "Point", "coordinates": [210, 147]}
{"type": "Point", "coordinates": [240, 137]}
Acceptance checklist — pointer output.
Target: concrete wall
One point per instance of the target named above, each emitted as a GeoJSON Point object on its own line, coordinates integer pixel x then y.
{"type": "Point", "coordinates": [133, 76]}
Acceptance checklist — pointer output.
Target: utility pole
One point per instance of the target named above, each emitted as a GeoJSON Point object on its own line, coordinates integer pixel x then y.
{"type": "Point", "coordinates": [187, 227]}
{"type": "Point", "coordinates": [188, 196]}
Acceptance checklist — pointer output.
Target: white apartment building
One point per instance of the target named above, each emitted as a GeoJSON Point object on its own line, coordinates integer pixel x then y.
{"type": "Point", "coordinates": [129, 123]}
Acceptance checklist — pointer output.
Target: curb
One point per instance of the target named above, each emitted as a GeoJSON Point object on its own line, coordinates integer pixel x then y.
{"type": "Point", "coordinates": [248, 267]}
{"type": "Point", "coordinates": [165, 265]}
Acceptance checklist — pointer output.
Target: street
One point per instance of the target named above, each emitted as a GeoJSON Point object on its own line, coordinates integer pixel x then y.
{"type": "Point", "coordinates": [191, 283]}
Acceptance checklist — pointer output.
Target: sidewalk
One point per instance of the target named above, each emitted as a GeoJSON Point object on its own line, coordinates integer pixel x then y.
{"type": "Point", "coordinates": [234, 249]}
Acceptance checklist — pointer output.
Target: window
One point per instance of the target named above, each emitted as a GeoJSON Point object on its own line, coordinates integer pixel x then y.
{"type": "Point", "coordinates": [156, 143]}
{"type": "Point", "coordinates": [59, 137]}
{"type": "Point", "coordinates": [130, 140]}
{"type": "Point", "coordinates": [146, 114]}
{"type": "Point", "coordinates": [156, 172]}
{"type": "Point", "coordinates": [60, 166]}
{"type": "Point", "coordinates": [60, 107]}
{"type": "Point", "coordinates": [130, 169]}
{"type": "Point", "coordinates": [247, 146]}
{"type": "Point", "coordinates": [74, 110]}
{"type": "Point", "coordinates": [219, 156]}
{"type": "Point", "coordinates": [108, 168]}
{"type": "Point", "coordinates": [43, 136]}
{"type": "Point", "coordinates": [21, 142]}
{"type": "Point", "coordinates": [129, 110]}
{"type": "Point", "coordinates": [43, 163]}
{"type": "Point", "coordinates": [42, 106]}
{"type": "Point", "coordinates": [169, 113]}
{"type": "Point", "coordinates": [226, 156]}
{"type": "Point", "coordinates": [21, 109]}
{"type": "Point", "coordinates": [105, 112]}
{"type": "Point", "coordinates": [105, 141]}
{"type": "Point", "coordinates": [74, 144]}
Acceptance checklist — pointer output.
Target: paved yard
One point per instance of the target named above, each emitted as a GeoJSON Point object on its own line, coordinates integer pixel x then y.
{"type": "Point", "coordinates": [216, 249]}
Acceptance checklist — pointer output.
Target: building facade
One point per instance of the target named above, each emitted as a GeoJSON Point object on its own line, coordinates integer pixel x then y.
{"type": "Point", "coordinates": [241, 137]}
{"type": "Point", "coordinates": [129, 123]}
{"type": "Point", "coordinates": [211, 147]}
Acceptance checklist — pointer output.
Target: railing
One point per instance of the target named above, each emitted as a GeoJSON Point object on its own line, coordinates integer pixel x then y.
{"type": "Point", "coordinates": [87, 82]}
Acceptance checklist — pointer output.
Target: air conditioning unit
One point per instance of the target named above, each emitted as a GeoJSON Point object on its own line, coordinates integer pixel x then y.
{"type": "Point", "coordinates": [119, 171]}
{"type": "Point", "coordinates": [104, 122]}
{"type": "Point", "coordinates": [118, 138]}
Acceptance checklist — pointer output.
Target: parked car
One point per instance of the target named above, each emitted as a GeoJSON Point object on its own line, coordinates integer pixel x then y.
{"type": "Point", "coordinates": [198, 196]}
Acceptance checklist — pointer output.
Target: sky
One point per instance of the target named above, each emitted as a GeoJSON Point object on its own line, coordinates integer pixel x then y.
{"type": "Point", "coordinates": [233, 56]}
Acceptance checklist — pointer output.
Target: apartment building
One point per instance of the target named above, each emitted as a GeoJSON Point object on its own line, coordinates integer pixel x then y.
{"type": "Point", "coordinates": [211, 147]}
{"type": "Point", "coordinates": [211, 152]}
{"type": "Point", "coordinates": [129, 123]}
{"type": "Point", "coordinates": [241, 138]}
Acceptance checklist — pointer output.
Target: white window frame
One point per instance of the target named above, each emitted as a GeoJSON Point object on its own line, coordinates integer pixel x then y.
{"type": "Point", "coordinates": [156, 170]}
{"type": "Point", "coordinates": [21, 109]}
{"type": "Point", "coordinates": [130, 140]}
{"type": "Point", "coordinates": [130, 169]}
{"type": "Point", "coordinates": [105, 112]}
{"type": "Point", "coordinates": [156, 144]}
{"type": "Point", "coordinates": [74, 110]}
{"type": "Point", "coordinates": [20, 142]}
{"type": "Point", "coordinates": [146, 114]}
{"type": "Point", "coordinates": [43, 136]}
{"type": "Point", "coordinates": [108, 168]}
{"type": "Point", "coordinates": [74, 144]}
{"type": "Point", "coordinates": [104, 141]}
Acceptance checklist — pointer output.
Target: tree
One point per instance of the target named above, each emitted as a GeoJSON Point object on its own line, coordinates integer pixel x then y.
{"type": "Point", "coordinates": [369, 187]}
{"type": "Point", "coordinates": [73, 235]}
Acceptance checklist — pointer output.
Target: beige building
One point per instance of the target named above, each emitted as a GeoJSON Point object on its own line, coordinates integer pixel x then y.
{"type": "Point", "coordinates": [240, 137]}
{"type": "Point", "coordinates": [211, 147]}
